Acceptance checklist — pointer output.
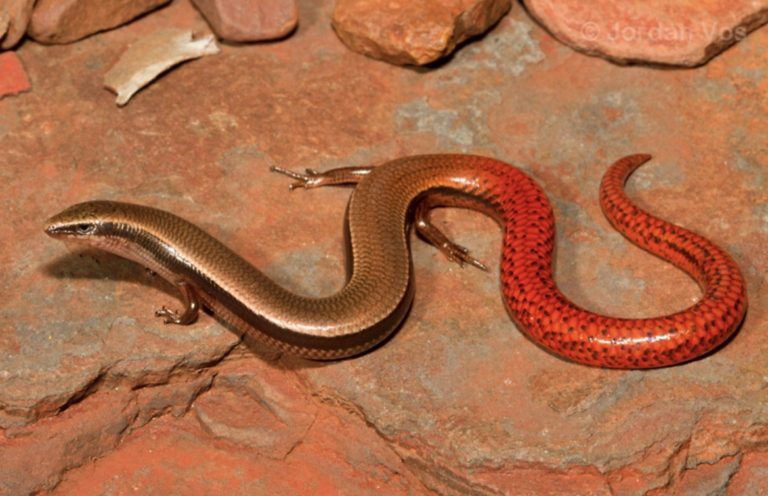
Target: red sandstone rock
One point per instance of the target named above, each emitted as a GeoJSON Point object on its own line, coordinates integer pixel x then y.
{"type": "Point", "coordinates": [686, 33]}
{"type": "Point", "coordinates": [64, 21]}
{"type": "Point", "coordinates": [250, 20]}
{"type": "Point", "coordinates": [406, 32]}
{"type": "Point", "coordinates": [35, 457]}
{"type": "Point", "coordinates": [752, 477]}
{"type": "Point", "coordinates": [252, 404]}
{"type": "Point", "coordinates": [338, 454]}
{"type": "Point", "coordinates": [13, 79]}
{"type": "Point", "coordinates": [14, 18]}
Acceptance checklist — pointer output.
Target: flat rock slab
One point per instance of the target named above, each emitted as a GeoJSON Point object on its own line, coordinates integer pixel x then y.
{"type": "Point", "coordinates": [683, 33]}
{"type": "Point", "coordinates": [13, 78]}
{"type": "Point", "coordinates": [250, 20]}
{"type": "Point", "coordinates": [65, 21]}
{"type": "Point", "coordinates": [417, 33]}
{"type": "Point", "coordinates": [338, 454]}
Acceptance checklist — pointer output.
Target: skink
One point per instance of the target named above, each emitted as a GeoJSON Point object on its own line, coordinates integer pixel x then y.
{"type": "Point", "coordinates": [385, 203]}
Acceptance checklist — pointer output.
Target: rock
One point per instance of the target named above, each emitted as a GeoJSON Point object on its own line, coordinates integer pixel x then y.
{"type": "Point", "coordinates": [153, 55]}
{"type": "Point", "coordinates": [13, 79]}
{"type": "Point", "coordinates": [252, 404]}
{"type": "Point", "coordinates": [84, 432]}
{"type": "Point", "coordinates": [338, 454]}
{"type": "Point", "coordinates": [684, 33]}
{"type": "Point", "coordinates": [405, 32]}
{"type": "Point", "coordinates": [64, 21]}
{"type": "Point", "coordinates": [250, 20]}
{"type": "Point", "coordinates": [14, 18]}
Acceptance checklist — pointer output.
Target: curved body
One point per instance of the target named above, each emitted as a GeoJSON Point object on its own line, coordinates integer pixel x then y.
{"type": "Point", "coordinates": [379, 289]}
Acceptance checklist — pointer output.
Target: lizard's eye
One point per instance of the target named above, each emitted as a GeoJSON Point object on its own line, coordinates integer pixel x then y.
{"type": "Point", "coordinates": [85, 228]}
